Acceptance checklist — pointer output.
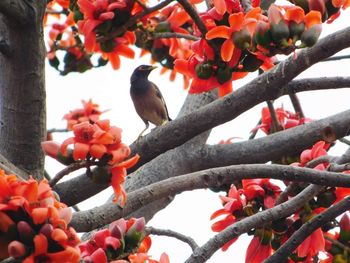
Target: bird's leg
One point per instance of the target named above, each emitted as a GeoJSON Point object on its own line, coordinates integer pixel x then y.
{"type": "Point", "coordinates": [140, 135]}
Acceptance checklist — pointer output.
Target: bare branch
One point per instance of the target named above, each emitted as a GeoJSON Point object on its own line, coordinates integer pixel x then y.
{"type": "Point", "coordinates": [283, 210]}
{"type": "Point", "coordinates": [344, 140]}
{"type": "Point", "coordinates": [70, 168]}
{"type": "Point", "coordinates": [170, 233]}
{"type": "Point", "coordinates": [305, 230]}
{"type": "Point", "coordinates": [296, 105]}
{"type": "Point", "coordinates": [57, 130]}
{"type": "Point", "coordinates": [174, 35]}
{"type": "Point", "coordinates": [217, 177]}
{"type": "Point", "coordinates": [310, 84]}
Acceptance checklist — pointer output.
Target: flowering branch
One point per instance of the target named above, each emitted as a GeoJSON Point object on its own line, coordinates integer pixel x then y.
{"type": "Point", "coordinates": [305, 230]}
{"type": "Point", "coordinates": [170, 233]}
{"type": "Point", "coordinates": [283, 210]}
{"type": "Point", "coordinates": [216, 177]}
{"type": "Point", "coordinates": [287, 142]}
{"type": "Point", "coordinates": [265, 87]}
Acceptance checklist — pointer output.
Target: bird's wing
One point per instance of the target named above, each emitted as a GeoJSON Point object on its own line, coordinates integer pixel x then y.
{"type": "Point", "coordinates": [159, 95]}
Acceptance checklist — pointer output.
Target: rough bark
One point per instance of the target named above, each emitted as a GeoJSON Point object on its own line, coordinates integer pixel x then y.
{"type": "Point", "coordinates": [22, 84]}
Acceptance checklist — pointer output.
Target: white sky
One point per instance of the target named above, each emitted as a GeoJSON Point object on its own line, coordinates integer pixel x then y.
{"type": "Point", "coordinates": [189, 213]}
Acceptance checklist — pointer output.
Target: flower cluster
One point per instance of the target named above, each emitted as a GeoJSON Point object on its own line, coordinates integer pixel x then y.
{"type": "Point", "coordinates": [124, 241]}
{"type": "Point", "coordinates": [98, 142]}
{"type": "Point", "coordinates": [90, 112]}
{"type": "Point", "coordinates": [255, 195]}
{"type": "Point", "coordinates": [33, 223]}
{"type": "Point", "coordinates": [97, 20]}
{"type": "Point", "coordinates": [286, 120]}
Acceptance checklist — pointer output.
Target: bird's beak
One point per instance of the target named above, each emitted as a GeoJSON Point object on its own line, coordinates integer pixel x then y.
{"type": "Point", "coordinates": [152, 67]}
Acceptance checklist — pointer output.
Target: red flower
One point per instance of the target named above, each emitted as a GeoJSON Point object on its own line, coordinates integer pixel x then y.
{"type": "Point", "coordinates": [257, 252]}
{"type": "Point", "coordinates": [312, 245]}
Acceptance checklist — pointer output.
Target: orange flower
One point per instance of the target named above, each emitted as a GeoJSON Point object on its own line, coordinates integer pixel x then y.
{"type": "Point", "coordinates": [39, 219]}
{"type": "Point", "coordinates": [118, 178]}
{"type": "Point", "coordinates": [238, 35]}
{"type": "Point", "coordinates": [90, 112]}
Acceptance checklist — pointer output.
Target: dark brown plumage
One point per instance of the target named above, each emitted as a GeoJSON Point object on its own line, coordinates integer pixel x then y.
{"type": "Point", "coordinates": [147, 98]}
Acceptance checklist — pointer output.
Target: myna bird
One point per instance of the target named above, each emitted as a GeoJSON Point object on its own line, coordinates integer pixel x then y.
{"type": "Point", "coordinates": [147, 99]}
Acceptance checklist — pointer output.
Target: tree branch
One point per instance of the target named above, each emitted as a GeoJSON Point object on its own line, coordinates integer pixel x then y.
{"type": "Point", "coordinates": [305, 230]}
{"type": "Point", "coordinates": [170, 233]}
{"type": "Point", "coordinates": [235, 230]}
{"type": "Point", "coordinates": [10, 168]}
{"type": "Point", "coordinates": [265, 87]}
{"type": "Point", "coordinates": [272, 147]}
{"type": "Point", "coordinates": [217, 177]}
{"type": "Point", "coordinates": [174, 35]}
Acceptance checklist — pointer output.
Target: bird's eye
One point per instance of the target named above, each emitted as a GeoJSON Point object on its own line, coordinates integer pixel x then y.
{"type": "Point", "coordinates": [142, 68]}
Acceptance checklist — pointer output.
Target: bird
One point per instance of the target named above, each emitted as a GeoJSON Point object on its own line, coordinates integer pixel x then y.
{"type": "Point", "coordinates": [147, 98]}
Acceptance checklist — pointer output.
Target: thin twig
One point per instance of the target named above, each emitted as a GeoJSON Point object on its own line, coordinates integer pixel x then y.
{"type": "Point", "coordinates": [296, 105]}
{"type": "Point", "coordinates": [338, 168]}
{"type": "Point", "coordinates": [253, 134]}
{"type": "Point", "coordinates": [337, 243]}
{"type": "Point", "coordinates": [133, 20]}
{"type": "Point", "coordinates": [334, 58]}
{"type": "Point", "coordinates": [57, 130]}
{"type": "Point", "coordinates": [305, 230]}
{"type": "Point", "coordinates": [174, 35]}
{"type": "Point", "coordinates": [276, 126]}
{"type": "Point", "coordinates": [166, 232]}
{"type": "Point", "coordinates": [344, 140]}
{"type": "Point", "coordinates": [70, 168]}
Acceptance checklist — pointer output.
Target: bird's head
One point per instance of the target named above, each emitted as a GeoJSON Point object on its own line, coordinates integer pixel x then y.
{"type": "Point", "coordinates": [141, 72]}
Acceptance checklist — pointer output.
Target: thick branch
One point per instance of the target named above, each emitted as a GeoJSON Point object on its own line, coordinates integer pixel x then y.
{"type": "Point", "coordinates": [22, 11]}
{"type": "Point", "coordinates": [217, 177]}
{"type": "Point", "coordinates": [235, 230]}
{"type": "Point", "coordinates": [272, 147]}
{"type": "Point", "coordinates": [265, 87]}
{"type": "Point", "coordinates": [9, 168]}
{"type": "Point", "coordinates": [305, 230]}
{"type": "Point", "coordinates": [284, 143]}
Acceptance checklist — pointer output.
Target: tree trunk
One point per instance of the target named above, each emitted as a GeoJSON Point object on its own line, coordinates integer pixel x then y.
{"type": "Point", "coordinates": [22, 84]}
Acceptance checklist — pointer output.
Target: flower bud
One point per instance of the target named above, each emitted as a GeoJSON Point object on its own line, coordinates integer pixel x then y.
{"type": "Point", "coordinates": [223, 74]}
{"type": "Point", "coordinates": [296, 29]}
{"type": "Point", "coordinates": [204, 71]}
{"type": "Point", "coordinates": [118, 228]}
{"type": "Point", "coordinates": [25, 232]}
{"type": "Point", "coordinates": [344, 223]}
{"type": "Point", "coordinates": [262, 34]}
{"type": "Point", "coordinates": [251, 63]}
{"type": "Point", "coordinates": [279, 32]}
{"type": "Point", "coordinates": [242, 39]}
{"type": "Point", "coordinates": [17, 249]}
{"type": "Point", "coordinates": [162, 27]}
{"type": "Point", "coordinates": [46, 230]}
{"type": "Point", "coordinates": [310, 36]}
{"type": "Point", "coordinates": [112, 242]}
